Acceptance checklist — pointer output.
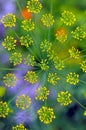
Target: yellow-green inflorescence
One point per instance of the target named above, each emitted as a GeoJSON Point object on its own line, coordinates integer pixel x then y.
{"type": "Point", "coordinates": [61, 35]}
{"type": "Point", "coordinates": [29, 60]}
{"type": "Point", "coordinates": [41, 93]}
{"type": "Point", "coordinates": [47, 20]}
{"type": "Point", "coordinates": [53, 78]}
{"type": "Point", "coordinates": [74, 53]}
{"type": "Point", "coordinates": [10, 80]}
{"type": "Point", "coordinates": [83, 65]}
{"type": "Point", "coordinates": [34, 6]}
{"type": "Point", "coordinates": [9, 43]}
{"type": "Point", "coordinates": [26, 40]}
{"type": "Point", "coordinates": [46, 114]}
{"type": "Point", "coordinates": [4, 109]}
{"type": "Point", "coordinates": [45, 46]}
{"type": "Point", "coordinates": [16, 58]}
{"type": "Point", "coordinates": [58, 63]}
{"type": "Point", "coordinates": [68, 18]}
{"type": "Point", "coordinates": [31, 77]}
{"type": "Point", "coordinates": [19, 127]}
{"type": "Point", "coordinates": [23, 102]}
{"type": "Point", "coordinates": [84, 113]}
{"type": "Point", "coordinates": [78, 33]}
{"type": "Point", "coordinates": [28, 25]}
{"type": "Point", "coordinates": [64, 98]}
{"type": "Point", "coordinates": [44, 64]}
{"type": "Point", "coordinates": [72, 78]}
{"type": "Point", "coordinates": [9, 20]}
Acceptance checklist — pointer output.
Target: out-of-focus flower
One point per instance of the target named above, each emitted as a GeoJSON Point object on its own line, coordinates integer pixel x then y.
{"type": "Point", "coordinates": [34, 6]}
{"type": "Point", "coordinates": [29, 60]}
{"type": "Point", "coordinates": [61, 35]}
{"type": "Point", "coordinates": [46, 114]}
{"type": "Point", "coordinates": [47, 20]}
{"type": "Point", "coordinates": [26, 14]}
{"type": "Point", "coordinates": [68, 18]}
{"type": "Point", "coordinates": [64, 98]}
{"type": "Point", "coordinates": [4, 109]}
{"type": "Point", "coordinates": [2, 91]}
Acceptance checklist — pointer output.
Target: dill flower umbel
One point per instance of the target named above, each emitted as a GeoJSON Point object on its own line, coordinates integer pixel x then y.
{"type": "Point", "coordinates": [9, 43]}
{"type": "Point", "coordinates": [44, 64]}
{"type": "Point", "coordinates": [74, 53]}
{"type": "Point", "coordinates": [4, 109]}
{"type": "Point", "coordinates": [34, 6]}
{"type": "Point", "coordinates": [61, 35]}
{"type": "Point", "coordinates": [45, 46]}
{"type": "Point", "coordinates": [72, 78]}
{"type": "Point", "coordinates": [83, 66]}
{"type": "Point", "coordinates": [9, 20]}
{"type": "Point", "coordinates": [47, 20]}
{"type": "Point", "coordinates": [29, 60]}
{"type": "Point", "coordinates": [31, 77]}
{"type": "Point", "coordinates": [46, 114]}
{"type": "Point", "coordinates": [78, 33]}
{"type": "Point", "coordinates": [64, 98]}
{"type": "Point", "coordinates": [41, 93]}
{"type": "Point", "coordinates": [10, 80]}
{"type": "Point", "coordinates": [68, 18]}
{"type": "Point", "coordinates": [23, 101]}
{"type": "Point", "coordinates": [26, 40]}
{"type": "Point", "coordinates": [16, 58]}
{"type": "Point", "coordinates": [19, 127]}
{"type": "Point", "coordinates": [58, 63]}
{"type": "Point", "coordinates": [53, 78]}
{"type": "Point", "coordinates": [28, 25]}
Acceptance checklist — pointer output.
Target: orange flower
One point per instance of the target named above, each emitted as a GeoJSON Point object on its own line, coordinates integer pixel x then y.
{"type": "Point", "coordinates": [26, 14]}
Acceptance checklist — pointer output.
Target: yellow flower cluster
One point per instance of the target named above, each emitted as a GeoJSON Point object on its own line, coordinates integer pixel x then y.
{"type": "Point", "coordinates": [58, 63]}
{"type": "Point", "coordinates": [83, 66]}
{"type": "Point", "coordinates": [61, 35]}
{"type": "Point", "coordinates": [28, 25]}
{"type": "Point", "coordinates": [16, 58]}
{"type": "Point", "coordinates": [23, 102]}
{"type": "Point", "coordinates": [72, 78]}
{"type": "Point", "coordinates": [29, 60]}
{"type": "Point", "coordinates": [34, 6]}
{"type": "Point", "coordinates": [46, 114]}
{"type": "Point", "coordinates": [84, 113]}
{"type": "Point", "coordinates": [45, 46]}
{"type": "Point", "coordinates": [9, 20]}
{"type": "Point", "coordinates": [41, 93]}
{"type": "Point", "coordinates": [64, 98]}
{"type": "Point", "coordinates": [4, 109]}
{"type": "Point", "coordinates": [53, 78]}
{"type": "Point", "coordinates": [9, 43]}
{"type": "Point", "coordinates": [19, 127]}
{"type": "Point", "coordinates": [26, 40]}
{"type": "Point", "coordinates": [10, 80]}
{"type": "Point", "coordinates": [74, 53]}
{"type": "Point", "coordinates": [68, 18]}
{"type": "Point", "coordinates": [51, 54]}
{"type": "Point", "coordinates": [31, 77]}
{"type": "Point", "coordinates": [47, 20]}
{"type": "Point", "coordinates": [44, 64]}
{"type": "Point", "coordinates": [78, 33]}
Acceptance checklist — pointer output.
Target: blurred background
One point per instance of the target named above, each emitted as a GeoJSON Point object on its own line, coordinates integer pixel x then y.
{"type": "Point", "coordinates": [67, 118]}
